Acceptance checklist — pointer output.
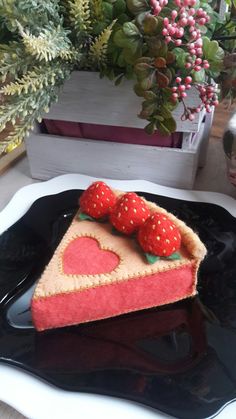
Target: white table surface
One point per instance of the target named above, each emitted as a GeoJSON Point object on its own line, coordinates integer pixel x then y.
{"type": "Point", "coordinates": [212, 177]}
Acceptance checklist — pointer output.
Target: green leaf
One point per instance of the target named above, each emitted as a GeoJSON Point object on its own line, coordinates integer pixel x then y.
{"type": "Point", "coordinates": [119, 7]}
{"type": "Point", "coordinates": [130, 29]}
{"type": "Point", "coordinates": [120, 39]}
{"type": "Point", "coordinates": [147, 82]}
{"type": "Point", "coordinates": [121, 60]}
{"type": "Point", "coordinates": [122, 19]}
{"type": "Point", "coordinates": [170, 124]}
{"type": "Point", "coordinates": [143, 70]}
{"type": "Point", "coordinates": [165, 112]}
{"type": "Point", "coordinates": [119, 79]}
{"type": "Point", "coordinates": [150, 24]}
{"type": "Point", "coordinates": [199, 76]}
{"type": "Point", "coordinates": [181, 57]}
{"type": "Point", "coordinates": [212, 51]}
{"type": "Point", "coordinates": [149, 95]}
{"type": "Point", "coordinates": [163, 129]}
{"type": "Point", "coordinates": [107, 11]}
{"type": "Point", "coordinates": [137, 6]}
{"type": "Point", "coordinates": [150, 128]}
{"type": "Point", "coordinates": [83, 216]}
{"type": "Point", "coordinates": [147, 60]}
{"type": "Point", "coordinates": [138, 90]}
{"type": "Point", "coordinates": [148, 108]}
{"type": "Point", "coordinates": [158, 118]}
{"type": "Point", "coordinates": [132, 52]}
{"type": "Point", "coordinates": [151, 258]}
{"type": "Point", "coordinates": [174, 256]}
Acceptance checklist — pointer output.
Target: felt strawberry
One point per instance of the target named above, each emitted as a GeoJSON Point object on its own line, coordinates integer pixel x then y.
{"type": "Point", "coordinates": [159, 236]}
{"type": "Point", "coordinates": [129, 213]}
{"type": "Point", "coordinates": [97, 201]}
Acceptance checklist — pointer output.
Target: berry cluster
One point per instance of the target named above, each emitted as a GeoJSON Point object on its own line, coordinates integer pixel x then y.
{"type": "Point", "coordinates": [129, 214]}
{"type": "Point", "coordinates": [157, 6]}
{"type": "Point", "coordinates": [184, 23]}
{"type": "Point", "coordinates": [208, 95]}
{"type": "Point", "coordinates": [179, 91]}
{"type": "Point", "coordinates": [185, 18]}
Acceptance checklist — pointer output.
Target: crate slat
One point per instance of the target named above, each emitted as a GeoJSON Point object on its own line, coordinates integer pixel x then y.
{"type": "Point", "coordinates": [51, 156]}
{"type": "Point", "coordinates": [88, 99]}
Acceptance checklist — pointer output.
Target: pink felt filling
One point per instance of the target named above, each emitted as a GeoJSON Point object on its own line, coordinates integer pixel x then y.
{"type": "Point", "coordinates": [83, 256]}
{"type": "Point", "coordinates": [111, 300]}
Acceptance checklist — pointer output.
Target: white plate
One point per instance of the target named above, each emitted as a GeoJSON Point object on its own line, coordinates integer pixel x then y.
{"type": "Point", "coordinates": [44, 401]}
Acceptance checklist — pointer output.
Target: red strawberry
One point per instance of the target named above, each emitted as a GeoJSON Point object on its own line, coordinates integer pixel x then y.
{"type": "Point", "coordinates": [129, 213]}
{"type": "Point", "coordinates": [159, 236]}
{"type": "Point", "coordinates": [98, 200]}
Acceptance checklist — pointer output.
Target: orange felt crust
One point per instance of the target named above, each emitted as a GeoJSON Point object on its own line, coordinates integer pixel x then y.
{"type": "Point", "coordinates": [114, 299]}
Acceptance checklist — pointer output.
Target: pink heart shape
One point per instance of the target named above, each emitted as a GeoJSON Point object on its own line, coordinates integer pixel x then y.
{"type": "Point", "coordinates": [84, 256]}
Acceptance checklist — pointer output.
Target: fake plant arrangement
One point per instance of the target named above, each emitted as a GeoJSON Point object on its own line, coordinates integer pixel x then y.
{"type": "Point", "coordinates": [166, 47]}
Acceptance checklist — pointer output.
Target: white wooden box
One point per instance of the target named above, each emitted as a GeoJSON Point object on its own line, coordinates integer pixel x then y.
{"type": "Point", "coordinates": [88, 99]}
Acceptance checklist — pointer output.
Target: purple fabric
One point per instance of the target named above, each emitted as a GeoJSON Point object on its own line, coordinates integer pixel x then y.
{"type": "Point", "coordinates": [111, 133]}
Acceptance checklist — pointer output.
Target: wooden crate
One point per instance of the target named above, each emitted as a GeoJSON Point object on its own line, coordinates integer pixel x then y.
{"type": "Point", "coordinates": [87, 99]}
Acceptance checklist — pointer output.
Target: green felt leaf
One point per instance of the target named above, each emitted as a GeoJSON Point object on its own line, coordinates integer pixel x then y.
{"type": "Point", "coordinates": [83, 216]}
{"type": "Point", "coordinates": [174, 256]}
{"type": "Point", "coordinates": [151, 258]}
{"type": "Point", "coordinates": [116, 232]}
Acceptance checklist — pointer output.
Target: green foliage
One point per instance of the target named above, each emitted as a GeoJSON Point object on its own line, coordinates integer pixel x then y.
{"type": "Point", "coordinates": [36, 56]}
{"type": "Point", "coordinates": [140, 44]}
{"type": "Point", "coordinates": [98, 49]}
{"type": "Point", "coordinates": [231, 2]}
{"type": "Point", "coordinates": [14, 60]}
{"type": "Point", "coordinates": [34, 14]}
{"type": "Point", "coordinates": [42, 41]}
{"type": "Point", "coordinates": [52, 42]}
{"type": "Point", "coordinates": [79, 16]}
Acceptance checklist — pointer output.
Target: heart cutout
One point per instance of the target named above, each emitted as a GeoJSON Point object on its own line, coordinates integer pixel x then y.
{"type": "Point", "coordinates": [84, 256]}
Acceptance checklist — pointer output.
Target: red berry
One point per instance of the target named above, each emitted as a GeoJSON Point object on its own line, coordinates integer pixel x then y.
{"type": "Point", "coordinates": [188, 80]}
{"type": "Point", "coordinates": [129, 213]}
{"type": "Point", "coordinates": [159, 236]}
{"type": "Point", "coordinates": [98, 200]}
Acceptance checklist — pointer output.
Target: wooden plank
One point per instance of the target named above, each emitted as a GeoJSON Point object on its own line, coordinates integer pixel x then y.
{"type": "Point", "coordinates": [7, 161]}
{"type": "Point", "coordinates": [88, 99]}
{"type": "Point", "coordinates": [50, 156]}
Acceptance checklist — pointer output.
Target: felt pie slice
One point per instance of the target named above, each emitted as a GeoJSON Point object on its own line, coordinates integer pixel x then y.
{"type": "Point", "coordinates": [96, 274]}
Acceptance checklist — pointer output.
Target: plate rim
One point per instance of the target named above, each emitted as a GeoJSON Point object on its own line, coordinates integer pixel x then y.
{"type": "Point", "coordinates": [26, 196]}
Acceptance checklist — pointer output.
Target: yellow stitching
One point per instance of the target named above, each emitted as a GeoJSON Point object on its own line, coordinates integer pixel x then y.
{"type": "Point", "coordinates": [190, 240]}
{"type": "Point", "coordinates": [128, 278]}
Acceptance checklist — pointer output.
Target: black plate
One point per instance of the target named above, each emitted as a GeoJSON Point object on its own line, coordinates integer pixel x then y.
{"type": "Point", "coordinates": [179, 359]}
